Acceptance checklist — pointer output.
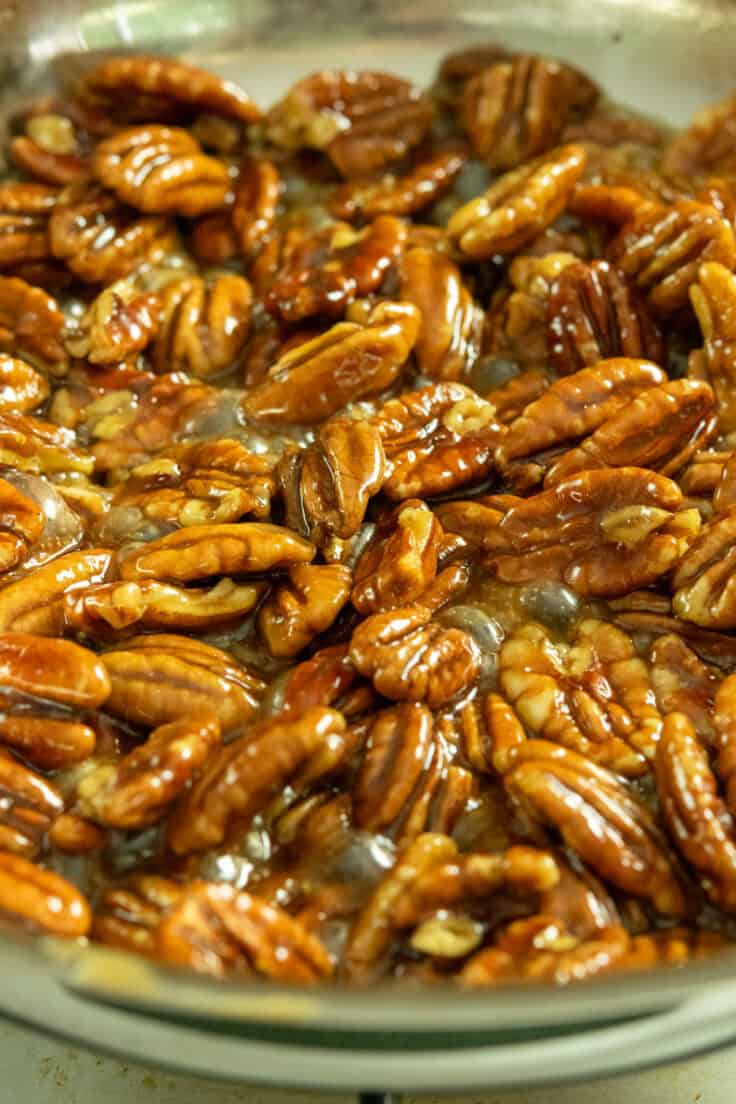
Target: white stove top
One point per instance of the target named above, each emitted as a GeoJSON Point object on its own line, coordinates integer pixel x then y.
{"type": "Point", "coordinates": [36, 1070]}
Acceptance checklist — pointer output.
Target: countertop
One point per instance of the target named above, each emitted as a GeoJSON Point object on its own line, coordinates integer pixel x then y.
{"type": "Point", "coordinates": [36, 1070]}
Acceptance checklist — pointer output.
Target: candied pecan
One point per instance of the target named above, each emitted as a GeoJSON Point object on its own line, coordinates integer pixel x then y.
{"type": "Point", "coordinates": [119, 323]}
{"type": "Point", "coordinates": [704, 581]}
{"type": "Point", "coordinates": [452, 322]}
{"type": "Point", "coordinates": [99, 239]}
{"type": "Point", "coordinates": [327, 486]}
{"type": "Point", "coordinates": [28, 806]}
{"type": "Point", "coordinates": [510, 399]}
{"type": "Point", "coordinates": [47, 165]}
{"type": "Point", "coordinates": [400, 562]}
{"type": "Point", "coordinates": [127, 916]}
{"type": "Point", "coordinates": [660, 429]}
{"type": "Point", "coordinates": [135, 791]}
{"type": "Point", "coordinates": [143, 87]}
{"type": "Point", "coordinates": [105, 610]}
{"type": "Point", "coordinates": [241, 779]}
{"type": "Point", "coordinates": [33, 445]}
{"type": "Point", "coordinates": [21, 524]}
{"type": "Point", "coordinates": [708, 144]}
{"type": "Point", "coordinates": [603, 532]}
{"type": "Point", "coordinates": [516, 109]}
{"type": "Point", "coordinates": [697, 818]}
{"type": "Point", "coordinates": [257, 193]}
{"type": "Point", "coordinates": [24, 217]}
{"type": "Point", "coordinates": [163, 677]}
{"type": "Point", "coordinates": [436, 440]}
{"type": "Point", "coordinates": [683, 683]}
{"type": "Point", "coordinates": [215, 929]}
{"type": "Point", "coordinates": [41, 899]}
{"type": "Point", "coordinates": [75, 836]}
{"type": "Point", "coordinates": [490, 732]}
{"type": "Point", "coordinates": [713, 297]}
{"type": "Point", "coordinates": [724, 722]}
{"type": "Point", "coordinates": [204, 325]}
{"type": "Point", "coordinates": [307, 605]}
{"type": "Point", "coordinates": [704, 472]}
{"type": "Point", "coordinates": [199, 551]}
{"type": "Point", "coordinates": [661, 249]}
{"type": "Point", "coordinates": [362, 120]}
{"type": "Point", "coordinates": [350, 361]}
{"type": "Point", "coordinates": [400, 750]}
{"type": "Point", "coordinates": [724, 495]}
{"type": "Point", "coordinates": [322, 273]}
{"type": "Point", "coordinates": [56, 670]}
{"type": "Point", "coordinates": [593, 314]}
{"type": "Point", "coordinates": [545, 952]}
{"type": "Point", "coordinates": [457, 67]}
{"type": "Point", "coordinates": [595, 696]}
{"type": "Point", "coordinates": [52, 743]}
{"type": "Point", "coordinates": [514, 210]}
{"type": "Point", "coordinates": [399, 195]}
{"type": "Point", "coordinates": [212, 239]}
{"type": "Point", "coordinates": [598, 819]}
{"type": "Point", "coordinates": [22, 388]}
{"type": "Point", "coordinates": [35, 602]}
{"type": "Point", "coordinates": [31, 324]}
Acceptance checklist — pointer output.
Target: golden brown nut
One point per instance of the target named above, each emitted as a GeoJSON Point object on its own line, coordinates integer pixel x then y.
{"type": "Point", "coordinates": [713, 297]}
{"type": "Point", "coordinates": [257, 193]}
{"type": "Point", "coordinates": [399, 195]}
{"type": "Point", "coordinates": [24, 216]}
{"type": "Point", "coordinates": [35, 602]}
{"type": "Point", "coordinates": [204, 325]}
{"type": "Point", "coordinates": [307, 605]}
{"type": "Point", "coordinates": [40, 162]}
{"type": "Point", "coordinates": [707, 146]}
{"type": "Point", "coordinates": [43, 900]}
{"type": "Point", "coordinates": [401, 560]}
{"type": "Point", "coordinates": [30, 804]}
{"type": "Point", "coordinates": [22, 388]}
{"type": "Point", "coordinates": [127, 916]}
{"type": "Point", "coordinates": [704, 581]}
{"type": "Point", "coordinates": [31, 323]}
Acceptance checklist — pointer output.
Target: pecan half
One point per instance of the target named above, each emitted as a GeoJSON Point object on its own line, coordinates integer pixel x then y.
{"type": "Point", "coordinates": [127, 916]}
{"type": "Point", "coordinates": [135, 791]}
{"type": "Point", "coordinates": [401, 560]}
{"type": "Point", "coordinates": [40, 162]}
{"type": "Point", "coordinates": [257, 193]}
{"type": "Point", "coordinates": [31, 323]}
{"type": "Point", "coordinates": [541, 949]}
{"type": "Point", "coordinates": [43, 900]}
{"type": "Point", "coordinates": [490, 733]}
{"type": "Point", "coordinates": [517, 207]}
{"type": "Point", "coordinates": [24, 217]}
{"type": "Point", "coordinates": [399, 195]}
{"type": "Point", "coordinates": [34, 445]}
{"type": "Point", "coordinates": [29, 804]}
{"type": "Point", "coordinates": [350, 361]}
{"type": "Point", "coordinates": [705, 580]}
{"type": "Point", "coordinates": [163, 677]}
{"type": "Point", "coordinates": [724, 722]}
{"type": "Point", "coordinates": [713, 297]}
{"type": "Point", "coordinates": [307, 605]}
{"type": "Point", "coordinates": [399, 750]}
{"type": "Point", "coordinates": [707, 146]}
{"type": "Point", "coordinates": [22, 388]}
{"type": "Point", "coordinates": [56, 670]}
{"type": "Point", "coordinates": [204, 325]}
{"type": "Point", "coordinates": [117, 325]}
{"type": "Point", "coordinates": [21, 524]}
{"type": "Point", "coordinates": [241, 779]}
{"type": "Point", "coordinates": [35, 602]}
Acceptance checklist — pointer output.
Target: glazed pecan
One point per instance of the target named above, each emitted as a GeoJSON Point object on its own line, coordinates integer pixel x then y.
{"type": "Point", "coordinates": [399, 195]}
{"type": "Point", "coordinates": [327, 679]}
{"type": "Point", "coordinates": [55, 670]}
{"type": "Point", "coordinates": [73, 835]}
{"type": "Point", "coordinates": [704, 472]}
{"type": "Point", "coordinates": [321, 273]}
{"type": "Point", "coordinates": [21, 524]}
{"type": "Point", "coordinates": [117, 325]}
{"type": "Point", "coordinates": [603, 532]}
{"type": "Point", "coordinates": [541, 949]}
{"type": "Point", "coordinates": [350, 361]}
{"type": "Point", "coordinates": [661, 429]}
{"type": "Point", "coordinates": [41, 899]}
{"type": "Point", "coordinates": [35, 602]}
{"type": "Point", "coordinates": [255, 206]}
{"type": "Point", "coordinates": [696, 816]}
{"type": "Point", "coordinates": [517, 207]}
{"type": "Point", "coordinates": [163, 677]}
{"type": "Point", "coordinates": [707, 146]}
{"type": "Point", "coordinates": [29, 805]}
{"type": "Point", "coordinates": [490, 733]}
{"type": "Point", "coordinates": [599, 819]}
{"type": "Point", "coordinates": [44, 158]}
{"type": "Point", "coordinates": [99, 239]}
{"type": "Point", "coordinates": [661, 249]}
{"type": "Point", "coordinates": [400, 562]}
{"type": "Point", "coordinates": [46, 741]}
{"type": "Point", "coordinates": [161, 170]}
{"type": "Point", "coordinates": [725, 738]}
{"type": "Point", "coordinates": [704, 582]}
{"type": "Point", "coordinates": [713, 297]}
{"type": "Point", "coordinates": [33, 445]}
{"type": "Point", "coordinates": [361, 120]}
{"type": "Point", "coordinates": [22, 388]}
{"type": "Point", "coordinates": [241, 779]}
{"type": "Point", "coordinates": [127, 916]}
{"type": "Point", "coordinates": [436, 440]}
{"type": "Point", "coordinates": [200, 551]}
{"type": "Point", "coordinates": [24, 217]}
{"type": "Point", "coordinates": [683, 683]}
{"type": "Point", "coordinates": [136, 791]}
{"type": "Point", "coordinates": [217, 930]}
{"type": "Point", "coordinates": [516, 109]}
{"type": "Point", "coordinates": [303, 607]}
{"type": "Point", "coordinates": [161, 88]}
{"type": "Point", "coordinates": [212, 239]}
{"type": "Point", "coordinates": [595, 696]}
{"type": "Point", "coordinates": [452, 322]}
{"type": "Point", "coordinates": [31, 323]}
{"type": "Point", "coordinates": [108, 610]}
{"type": "Point", "coordinates": [204, 325]}
{"type": "Point", "coordinates": [593, 314]}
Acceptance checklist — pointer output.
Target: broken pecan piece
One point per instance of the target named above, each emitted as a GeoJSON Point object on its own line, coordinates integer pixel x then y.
{"type": "Point", "coordinates": [307, 605]}
{"type": "Point", "coordinates": [257, 193]}
{"type": "Point", "coordinates": [541, 949]}
{"type": "Point", "coordinates": [128, 915]}
{"type": "Point", "coordinates": [684, 684]}
{"type": "Point", "coordinates": [43, 900]}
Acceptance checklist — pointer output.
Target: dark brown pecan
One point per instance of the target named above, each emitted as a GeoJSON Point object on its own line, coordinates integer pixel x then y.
{"type": "Point", "coordinates": [24, 215]}
{"type": "Point", "coordinates": [127, 916]}
{"type": "Point", "coordinates": [212, 239]}
{"type": "Point", "coordinates": [604, 532]}
{"type": "Point", "coordinates": [595, 696]}
{"type": "Point", "coordinates": [22, 388]}
{"type": "Point", "coordinates": [35, 602]}
{"type": "Point", "coordinates": [593, 314]}
{"type": "Point", "coordinates": [705, 580]}
{"type": "Point", "coordinates": [327, 486]}
{"type": "Point", "coordinates": [31, 323]}
{"type": "Point", "coordinates": [541, 949]}
{"type": "Point", "coordinates": [519, 206]}
{"type": "Point", "coordinates": [321, 273]}
{"type": "Point", "coordinates": [306, 605]}
{"type": "Point", "coordinates": [241, 779]}
{"type": "Point", "coordinates": [683, 683]}
{"type": "Point", "coordinates": [41, 899]}
{"type": "Point", "coordinates": [117, 325]}
{"type": "Point", "coordinates": [436, 440]}
{"type": "Point", "coordinates": [707, 146]}
{"type": "Point", "coordinates": [215, 929]}
{"type": "Point", "coordinates": [350, 361]}
{"type": "Point", "coordinates": [724, 495]}
{"type": "Point", "coordinates": [452, 322]}
{"type": "Point", "coordinates": [162, 677]}
{"type": "Point", "coordinates": [399, 195]}
{"type": "Point", "coordinates": [696, 816]}
{"type": "Point", "coordinates": [99, 239]}
{"type": "Point", "coordinates": [28, 805]}
{"type": "Point", "coordinates": [255, 206]}
{"type": "Point", "coordinates": [661, 429]}
{"type": "Point", "coordinates": [401, 560]}
{"type": "Point", "coordinates": [142, 88]}
{"type": "Point", "coordinates": [516, 109]}
{"type": "Point", "coordinates": [713, 297]}
{"type": "Point", "coordinates": [136, 791]}
{"type": "Point", "coordinates": [598, 819]}
{"type": "Point", "coordinates": [660, 251]}
{"type": "Point", "coordinates": [362, 120]}
{"type": "Point", "coordinates": [204, 325]}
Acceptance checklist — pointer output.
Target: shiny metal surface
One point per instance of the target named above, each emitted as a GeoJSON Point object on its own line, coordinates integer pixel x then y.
{"type": "Point", "coordinates": [667, 57]}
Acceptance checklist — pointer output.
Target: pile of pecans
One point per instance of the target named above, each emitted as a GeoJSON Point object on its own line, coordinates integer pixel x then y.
{"type": "Point", "coordinates": [368, 527]}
